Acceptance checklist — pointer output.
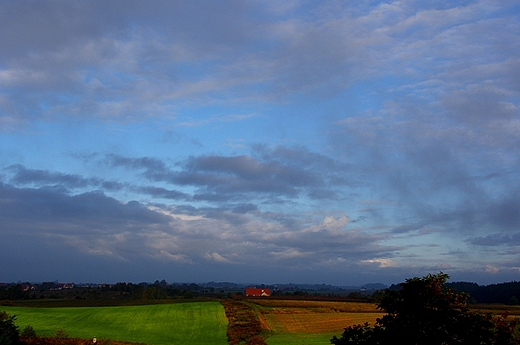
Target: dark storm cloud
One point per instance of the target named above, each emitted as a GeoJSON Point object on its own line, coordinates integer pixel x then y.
{"type": "Point", "coordinates": [92, 225]}
{"type": "Point", "coordinates": [406, 228]}
{"type": "Point", "coordinates": [331, 170]}
{"type": "Point", "coordinates": [245, 208]}
{"type": "Point", "coordinates": [24, 176]}
{"type": "Point", "coordinates": [244, 174]}
{"type": "Point", "coordinates": [26, 209]}
{"type": "Point", "coordinates": [113, 185]}
{"type": "Point", "coordinates": [79, 229]}
{"type": "Point", "coordinates": [21, 176]}
{"type": "Point", "coordinates": [497, 240]}
{"type": "Point", "coordinates": [152, 168]}
{"type": "Point", "coordinates": [158, 192]}
{"type": "Point", "coordinates": [280, 172]}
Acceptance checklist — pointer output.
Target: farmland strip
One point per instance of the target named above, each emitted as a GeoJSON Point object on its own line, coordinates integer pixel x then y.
{"type": "Point", "coordinates": [243, 325]}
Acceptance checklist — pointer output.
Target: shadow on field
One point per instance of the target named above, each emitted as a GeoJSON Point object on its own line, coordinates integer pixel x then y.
{"type": "Point", "coordinates": [71, 341]}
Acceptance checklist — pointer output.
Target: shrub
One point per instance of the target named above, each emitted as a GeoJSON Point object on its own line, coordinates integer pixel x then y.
{"type": "Point", "coordinates": [513, 301]}
{"type": "Point", "coordinates": [8, 330]}
{"type": "Point", "coordinates": [61, 334]}
{"type": "Point", "coordinates": [28, 332]}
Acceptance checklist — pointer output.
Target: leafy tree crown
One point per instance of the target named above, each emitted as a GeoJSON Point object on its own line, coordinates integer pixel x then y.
{"type": "Point", "coordinates": [424, 311]}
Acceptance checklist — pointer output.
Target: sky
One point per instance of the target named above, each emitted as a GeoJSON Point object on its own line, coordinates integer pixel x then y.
{"type": "Point", "coordinates": [335, 142]}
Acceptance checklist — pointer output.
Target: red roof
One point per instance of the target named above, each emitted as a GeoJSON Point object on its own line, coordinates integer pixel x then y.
{"type": "Point", "coordinates": [258, 292]}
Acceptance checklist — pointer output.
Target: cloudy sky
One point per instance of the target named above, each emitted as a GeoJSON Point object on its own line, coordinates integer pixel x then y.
{"type": "Point", "coordinates": [339, 142]}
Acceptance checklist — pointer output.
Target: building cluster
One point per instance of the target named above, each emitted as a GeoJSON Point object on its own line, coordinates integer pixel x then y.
{"type": "Point", "coordinates": [45, 286]}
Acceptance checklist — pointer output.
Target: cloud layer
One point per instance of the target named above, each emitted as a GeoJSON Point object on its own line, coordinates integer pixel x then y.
{"type": "Point", "coordinates": [258, 141]}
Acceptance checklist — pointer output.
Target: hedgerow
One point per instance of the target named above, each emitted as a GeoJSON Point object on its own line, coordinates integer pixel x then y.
{"type": "Point", "coordinates": [243, 325]}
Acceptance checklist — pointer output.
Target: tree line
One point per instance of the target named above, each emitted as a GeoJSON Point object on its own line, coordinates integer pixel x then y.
{"type": "Point", "coordinates": [121, 290]}
{"type": "Point", "coordinates": [505, 293]}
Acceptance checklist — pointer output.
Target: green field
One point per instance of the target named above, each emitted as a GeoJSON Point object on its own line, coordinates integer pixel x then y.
{"type": "Point", "coordinates": [181, 323]}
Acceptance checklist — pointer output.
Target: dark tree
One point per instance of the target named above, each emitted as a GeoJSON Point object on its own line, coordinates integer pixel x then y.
{"type": "Point", "coordinates": [16, 292]}
{"type": "Point", "coordinates": [154, 292]}
{"type": "Point", "coordinates": [425, 312]}
{"type": "Point", "coordinates": [8, 330]}
{"type": "Point", "coordinates": [513, 301]}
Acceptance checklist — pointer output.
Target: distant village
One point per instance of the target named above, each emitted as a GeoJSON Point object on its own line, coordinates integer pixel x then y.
{"type": "Point", "coordinates": [504, 293]}
{"type": "Point", "coordinates": [49, 286]}
{"type": "Point", "coordinates": [162, 289]}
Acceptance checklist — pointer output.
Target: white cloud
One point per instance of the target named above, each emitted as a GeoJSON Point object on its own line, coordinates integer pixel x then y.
{"type": "Point", "coordinates": [289, 254]}
{"type": "Point", "coordinates": [180, 258]}
{"type": "Point", "coordinates": [215, 257]}
{"type": "Point", "coordinates": [492, 269]}
{"type": "Point", "coordinates": [383, 263]}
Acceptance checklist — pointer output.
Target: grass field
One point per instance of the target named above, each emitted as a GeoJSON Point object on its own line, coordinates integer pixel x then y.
{"type": "Point", "coordinates": [181, 323]}
{"type": "Point", "coordinates": [294, 322]}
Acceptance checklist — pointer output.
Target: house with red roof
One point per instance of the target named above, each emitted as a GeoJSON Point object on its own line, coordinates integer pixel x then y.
{"type": "Point", "coordinates": [254, 292]}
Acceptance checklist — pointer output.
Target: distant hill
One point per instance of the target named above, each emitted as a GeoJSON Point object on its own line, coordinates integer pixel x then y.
{"type": "Point", "coordinates": [506, 293]}
{"type": "Point", "coordinates": [375, 286]}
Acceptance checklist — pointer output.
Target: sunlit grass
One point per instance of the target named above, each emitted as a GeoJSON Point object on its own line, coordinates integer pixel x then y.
{"type": "Point", "coordinates": [184, 323]}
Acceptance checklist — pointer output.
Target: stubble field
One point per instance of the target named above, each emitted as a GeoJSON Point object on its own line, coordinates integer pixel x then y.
{"type": "Point", "coordinates": [310, 322]}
